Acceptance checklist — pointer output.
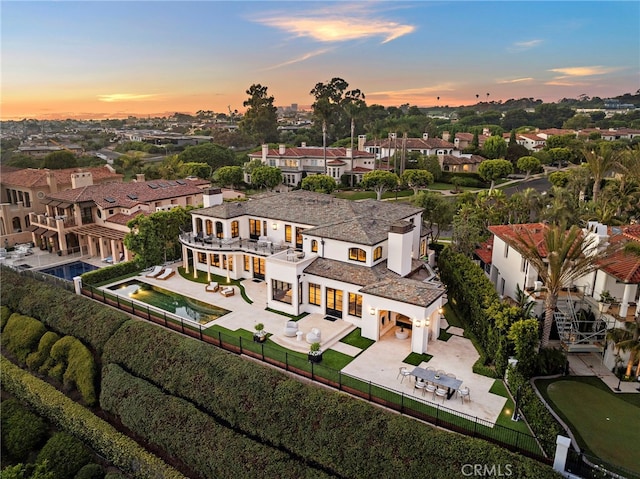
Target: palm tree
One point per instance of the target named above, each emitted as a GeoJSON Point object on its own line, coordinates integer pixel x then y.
{"type": "Point", "coordinates": [564, 256]}
{"type": "Point", "coordinates": [353, 105]}
{"type": "Point", "coordinates": [630, 343]}
{"type": "Point", "coordinates": [600, 161]}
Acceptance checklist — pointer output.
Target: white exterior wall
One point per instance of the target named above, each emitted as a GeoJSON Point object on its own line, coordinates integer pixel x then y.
{"type": "Point", "coordinates": [346, 288]}
{"type": "Point", "coordinates": [509, 268]}
{"type": "Point", "coordinates": [400, 249]}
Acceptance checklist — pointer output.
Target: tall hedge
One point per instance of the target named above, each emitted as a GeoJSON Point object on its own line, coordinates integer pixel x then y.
{"type": "Point", "coordinates": [22, 431]}
{"type": "Point", "coordinates": [60, 310]}
{"type": "Point", "coordinates": [36, 360]}
{"type": "Point", "coordinates": [21, 335]}
{"type": "Point", "coordinates": [65, 455]}
{"type": "Point", "coordinates": [208, 448]}
{"type": "Point", "coordinates": [347, 436]}
{"type": "Point", "coordinates": [75, 419]}
{"type": "Point", "coordinates": [79, 369]}
{"type": "Point", "coordinates": [5, 312]}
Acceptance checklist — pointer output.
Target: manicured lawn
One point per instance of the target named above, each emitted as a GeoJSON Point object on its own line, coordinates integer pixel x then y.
{"type": "Point", "coordinates": [202, 278]}
{"type": "Point", "coordinates": [452, 316]}
{"type": "Point", "coordinates": [415, 359]}
{"type": "Point", "coordinates": [604, 423]}
{"type": "Point", "coordinates": [354, 338]}
{"type": "Point", "coordinates": [507, 411]}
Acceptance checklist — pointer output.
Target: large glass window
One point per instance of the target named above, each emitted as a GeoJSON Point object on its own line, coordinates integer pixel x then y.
{"type": "Point", "coordinates": [355, 304]}
{"type": "Point", "coordinates": [314, 294]}
{"type": "Point", "coordinates": [287, 233]}
{"type": "Point", "coordinates": [334, 302]}
{"type": "Point", "coordinates": [215, 260]}
{"type": "Point", "coordinates": [235, 229]}
{"type": "Point", "coordinates": [202, 258]}
{"type": "Point", "coordinates": [314, 246]}
{"type": "Point", "coordinates": [377, 253]}
{"type": "Point", "coordinates": [219, 229]}
{"type": "Point", "coordinates": [254, 228]}
{"type": "Point", "coordinates": [247, 262]}
{"type": "Point", "coordinates": [357, 254]}
{"type": "Point", "coordinates": [209, 227]}
{"type": "Point", "coordinates": [281, 291]}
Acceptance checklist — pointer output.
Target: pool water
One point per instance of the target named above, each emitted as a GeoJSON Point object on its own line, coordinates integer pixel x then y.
{"type": "Point", "coordinates": [187, 308]}
{"type": "Point", "coordinates": [70, 270]}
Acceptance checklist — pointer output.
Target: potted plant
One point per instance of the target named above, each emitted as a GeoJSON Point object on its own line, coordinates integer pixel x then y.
{"type": "Point", "coordinates": [605, 301]}
{"type": "Point", "coordinates": [315, 355]}
{"type": "Point", "coordinates": [260, 336]}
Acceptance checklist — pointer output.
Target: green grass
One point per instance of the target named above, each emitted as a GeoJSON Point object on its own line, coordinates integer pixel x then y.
{"type": "Point", "coordinates": [291, 316]}
{"type": "Point", "coordinates": [415, 359]}
{"type": "Point", "coordinates": [452, 316]}
{"type": "Point", "coordinates": [504, 419]}
{"type": "Point", "coordinates": [202, 278]}
{"type": "Point", "coordinates": [354, 338]}
{"type": "Point", "coordinates": [604, 423]}
{"type": "Point", "coordinates": [444, 336]}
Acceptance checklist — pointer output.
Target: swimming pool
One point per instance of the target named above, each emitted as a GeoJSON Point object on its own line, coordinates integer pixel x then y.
{"type": "Point", "coordinates": [187, 308]}
{"type": "Point", "coordinates": [70, 270]}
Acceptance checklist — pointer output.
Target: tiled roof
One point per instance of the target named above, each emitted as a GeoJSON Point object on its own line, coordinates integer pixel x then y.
{"type": "Point", "coordinates": [336, 163]}
{"type": "Point", "coordinates": [461, 160]}
{"type": "Point", "coordinates": [348, 272]}
{"type": "Point", "coordinates": [411, 143]}
{"type": "Point", "coordinates": [360, 169]}
{"type": "Point", "coordinates": [35, 177]}
{"type": "Point", "coordinates": [509, 234]}
{"type": "Point", "coordinates": [312, 152]}
{"type": "Point", "coordinates": [405, 291]}
{"type": "Point", "coordinates": [362, 230]}
{"type": "Point", "coordinates": [127, 195]}
{"type": "Point", "coordinates": [624, 267]}
{"type": "Point", "coordinates": [485, 250]}
{"type": "Point", "coordinates": [122, 219]}
{"type": "Point", "coordinates": [313, 209]}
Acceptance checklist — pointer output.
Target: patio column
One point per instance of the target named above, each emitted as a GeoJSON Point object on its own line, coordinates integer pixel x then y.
{"type": "Point", "coordinates": [114, 251]}
{"type": "Point", "coordinates": [195, 270]}
{"type": "Point", "coordinates": [420, 335]}
{"type": "Point", "coordinates": [562, 448]}
{"type": "Point", "coordinates": [627, 296]}
{"type": "Point", "coordinates": [185, 259]}
{"type": "Point", "coordinates": [208, 268]}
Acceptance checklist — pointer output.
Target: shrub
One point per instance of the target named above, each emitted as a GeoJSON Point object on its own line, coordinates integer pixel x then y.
{"type": "Point", "coordinates": [65, 454]}
{"type": "Point", "coordinates": [90, 471]}
{"type": "Point", "coordinates": [22, 430]}
{"type": "Point", "coordinates": [37, 359]}
{"type": "Point", "coordinates": [21, 335]}
{"type": "Point", "coordinates": [117, 448]}
{"type": "Point", "coordinates": [102, 275]}
{"type": "Point", "coordinates": [5, 312]}
{"type": "Point", "coordinates": [78, 365]}
{"type": "Point", "coordinates": [550, 361]}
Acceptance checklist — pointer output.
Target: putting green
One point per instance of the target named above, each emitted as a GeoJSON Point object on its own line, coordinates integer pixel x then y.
{"type": "Point", "coordinates": [608, 425]}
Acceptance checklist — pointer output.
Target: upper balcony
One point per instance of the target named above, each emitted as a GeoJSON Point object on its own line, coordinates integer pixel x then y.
{"type": "Point", "coordinates": [261, 247]}
{"type": "Point", "coordinates": [58, 223]}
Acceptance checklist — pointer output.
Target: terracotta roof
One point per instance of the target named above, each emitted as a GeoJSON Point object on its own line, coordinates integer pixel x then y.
{"type": "Point", "coordinates": [509, 234]}
{"type": "Point", "coordinates": [122, 219]}
{"type": "Point", "coordinates": [485, 250]}
{"type": "Point", "coordinates": [336, 163]}
{"type": "Point", "coordinates": [624, 267]}
{"type": "Point", "coordinates": [127, 195]}
{"type": "Point", "coordinates": [462, 160]}
{"type": "Point", "coordinates": [35, 177]}
{"type": "Point", "coordinates": [360, 169]}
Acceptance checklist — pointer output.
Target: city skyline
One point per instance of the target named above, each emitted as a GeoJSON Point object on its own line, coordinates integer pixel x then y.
{"type": "Point", "coordinates": [115, 59]}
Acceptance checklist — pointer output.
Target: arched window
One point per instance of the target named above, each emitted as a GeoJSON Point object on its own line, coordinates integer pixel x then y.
{"type": "Point", "coordinates": [235, 229]}
{"type": "Point", "coordinates": [314, 246]}
{"type": "Point", "coordinates": [357, 254]}
{"type": "Point", "coordinates": [218, 229]}
{"type": "Point", "coordinates": [377, 253]}
{"type": "Point", "coordinates": [198, 225]}
{"type": "Point", "coordinates": [208, 227]}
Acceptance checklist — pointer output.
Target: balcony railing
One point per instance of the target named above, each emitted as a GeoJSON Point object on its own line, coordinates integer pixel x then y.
{"type": "Point", "coordinates": [260, 247]}
{"type": "Point", "coordinates": [52, 222]}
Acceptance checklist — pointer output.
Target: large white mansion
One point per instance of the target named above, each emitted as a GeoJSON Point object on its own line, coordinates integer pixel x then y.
{"type": "Point", "coordinates": [358, 261]}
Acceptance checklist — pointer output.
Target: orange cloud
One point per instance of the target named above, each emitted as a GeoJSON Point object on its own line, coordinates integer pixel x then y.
{"type": "Point", "coordinates": [118, 97]}
{"type": "Point", "coordinates": [583, 71]}
{"type": "Point", "coordinates": [515, 80]}
{"type": "Point", "coordinates": [299, 59]}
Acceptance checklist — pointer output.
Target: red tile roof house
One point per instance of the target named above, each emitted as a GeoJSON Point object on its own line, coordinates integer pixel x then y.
{"type": "Point", "coordinates": [619, 273]}
{"type": "Point", "coordinates": [310, 160]}
{"type": "Point", "coordinates": [23, 192]}
{"type": "Point", "coordinates": [93, 218]}
{"type": "Point", "coordinates": [387, 147]}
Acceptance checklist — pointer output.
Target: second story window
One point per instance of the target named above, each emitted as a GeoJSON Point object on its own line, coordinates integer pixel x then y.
{"type": "Point", "coordinates": [314, 246]}
{"type": "Point", "coordinates": [235, 229]}
{"type": "Point", "coordinates": [377, 253]}
{"type": "Point", "coordinates": [287, 233]}
{"type": "Point", "coordinates": [219, 229]}
{"type": "Point", "coordinates": [357, 254]}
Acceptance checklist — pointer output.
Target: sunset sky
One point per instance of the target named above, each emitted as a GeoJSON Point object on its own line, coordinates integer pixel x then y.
{"type": "Point", "coordinates": [110, 59]}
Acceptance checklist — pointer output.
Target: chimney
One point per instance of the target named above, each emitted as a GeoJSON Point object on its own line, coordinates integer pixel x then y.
{"type": "Point", "coordinates": [425, 136]}
{"type": "Point", "coordinates": [362, 139]}
{"type": "Point", "coordinates": [349, 153]}
{"type": "Point", "coordinates": [211, 197]}
{"type": "Point", "coordinates": [486, 132]}
{"type": "Point", "coordinates": [282, 149]}
{"type": "Point", "coordinates": [446, 135]}
{"type": "Point", "coordinates": [400, 247]}
{"type": "Point", "coordinates": [81, 179]}
{"type": "Point", "coordinates": [140, 177]}
{"type": "Point", "coordinates": [51, 181]}
{"type": "Point", "coordinates": [265, 153]}
{"type": "Point", "coordinates": [303, 144]}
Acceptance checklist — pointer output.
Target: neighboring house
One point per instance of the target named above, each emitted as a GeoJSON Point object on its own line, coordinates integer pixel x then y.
{"type": "Point", "coordinates": [387, 147]}
{"type": "Point", "coordinates": [619, 273]}
{"type": "Point", "coordinates": [23, 191]}
{"type": "Point", "coordinates": [463, 163]}
{"type": "Point", "coordinates": [358, 261]}
{"type": "Point", "coordinates": [43, 150]}
{"type": "Point", "coordinates": [296, 163]}
{"type": "Point", "coordinates": [93, 218]}
{"type": "Point", "coordinates": [463, 140]}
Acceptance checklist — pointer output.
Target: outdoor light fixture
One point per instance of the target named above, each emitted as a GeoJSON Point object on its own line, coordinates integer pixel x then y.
{"type": "Point", "coordinates": [427, 322]}
{"type": "Point", "coordinates": [441, 310]}
{"type": "Point", "coordinates": [372, 311]}
{"type": "Point", "coordinates": [274, 226]}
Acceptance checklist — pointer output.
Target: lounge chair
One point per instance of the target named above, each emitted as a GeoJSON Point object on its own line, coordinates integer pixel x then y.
{"type": "Point", "coordinates": [212, 287]}
{"type": "Point", "coordinates": [290, 329]}
{"type": "Point", "coordinates": [167, 273]}
{"type": "Point", "coordinates": [155, 272]}
{"type": "Point", "coordinates": [227, 291]}
{"type": "Point", "coordinates": [314, 336]}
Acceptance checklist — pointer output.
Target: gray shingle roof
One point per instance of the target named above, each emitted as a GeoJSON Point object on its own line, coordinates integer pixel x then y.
{"type": "Point", "coordinates": [405, 291]}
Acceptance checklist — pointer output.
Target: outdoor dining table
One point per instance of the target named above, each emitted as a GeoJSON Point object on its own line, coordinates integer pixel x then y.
{"type": "Point", "coordinates": [450, 383]}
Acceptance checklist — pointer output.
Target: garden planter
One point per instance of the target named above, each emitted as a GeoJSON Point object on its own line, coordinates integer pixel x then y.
{"type": "Point", "coordinates": [259, 338]}
{"type": "Point", "coordinates": [314, 358]}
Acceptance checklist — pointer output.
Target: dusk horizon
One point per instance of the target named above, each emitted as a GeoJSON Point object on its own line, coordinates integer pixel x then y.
{"type": "Point", "coordinates": [97, 60]}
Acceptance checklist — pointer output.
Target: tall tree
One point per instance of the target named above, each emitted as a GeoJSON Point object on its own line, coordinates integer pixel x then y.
{"type": "Point", "coordinates": [229, 176]}
{"type": "Point", "coordinates": [437, 212]}
{"type": "Point", "coordinates": [494, 147]}
{"type": "Point", "coordinates": [379, 181]}
{"type": "Point", "coordinates": [354, 105]}
{"type": "Point", "coordinates": [416, 179]}
{"type": "Point", "coordinates": [600, 159]}
{"type": "Point", "coordinates": [260, 121]}
{"type": "Point", "coordinates": [563, 257]}
{"type": "Point", "coordinates": [528, 164]}
{"type": "Point", "coordinates": [319, 183]}
{"type": "Point", "coordinates": [492, 170]}
{"type": "Point", "coordinates": [266, 176]}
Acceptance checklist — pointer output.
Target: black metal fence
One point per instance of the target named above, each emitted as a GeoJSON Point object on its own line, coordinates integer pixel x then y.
{"type": "Point", "coordinates": [299, 364]}
{"type": "Point", "coordinates": [590, 467]}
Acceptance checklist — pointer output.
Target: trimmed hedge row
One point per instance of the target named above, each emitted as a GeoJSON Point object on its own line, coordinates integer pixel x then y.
{"type": "Point", "coordinates": [103, 438]}
{"type": "Point", "coordinates": [5, 312]}
{"type": "Point", "coordinates": [22, 335]}
{"type": "Point", "coordinates": [102, 275]}
{"type": "Point", "coordinates": [65, 455]}
{"type": "Point", "coordinates": [61, 311]}
{"type": "Point", "coordinates": [344, 435]}
{"type": "Point", "coordinates": [79, 367]}
{"type": "Point", "coordinates": [174, 424]}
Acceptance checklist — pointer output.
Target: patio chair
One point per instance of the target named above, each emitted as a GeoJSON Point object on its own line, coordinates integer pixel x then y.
{"type": "Point", "coordinates": [441, 372]}
{"type": "Point", "coordinates": [227, 291]}
{"type": "Point", "coordinates": [291, 329]}
{"type": "Point", "coordinates": [464, 392]}
{"type": "Point", "coordinates": [420, 384]}
{"type": "Point", "coordinates": [451, 375]}
{"type": "Point", "coordinates": [430, 388]}
{"type": "Point", "coordinates": [167, 273]}
{"type": "Point", "coordinates": [212, 287]}
{"type": "Point", "coordinates": [430, 368]}
{"type": "Point", "coordinates": [441, 392]}
{"type": "Point", "coordinates": [155, 272]}
{"type": "Point", "coordinates": [314, 336]}
{"type": "Point", "coordinates": [404, 372]}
